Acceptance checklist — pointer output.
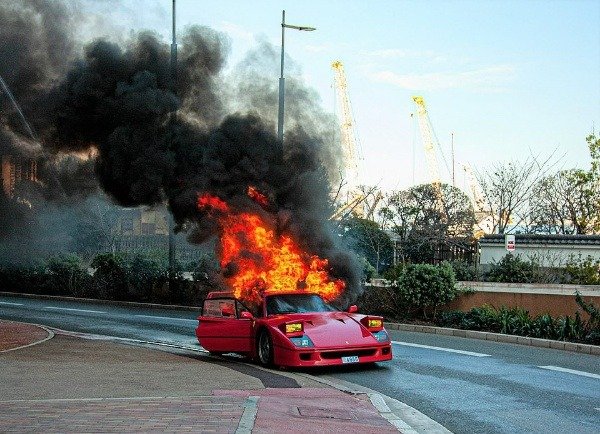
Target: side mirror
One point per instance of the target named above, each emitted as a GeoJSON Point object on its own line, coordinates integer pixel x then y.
{"type": "Point", "coordinates": [246, 315]}
{"type": "Point", "coordinates": [353, 309]}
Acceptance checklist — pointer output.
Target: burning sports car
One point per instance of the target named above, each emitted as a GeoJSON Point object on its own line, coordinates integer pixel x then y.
{"type": "Point", "coordinates": [293, 328]}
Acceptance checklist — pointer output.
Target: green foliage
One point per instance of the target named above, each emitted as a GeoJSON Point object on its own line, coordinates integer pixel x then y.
{"type": "Point", "coordinates": [517, 321]}
{"type": "Point", "coordinates": [393, 273]}
{"type": "Point", "coordinates": [110, 277]}
{"type": "Point", "coordinates": [481, 318]}
{"type": "Point", "coordinates": [513, 269]}
{"type": "Point", "coordinates": [593, 329]}
{"type": "Point", "coordinates": [67, 275]}
{"type": "Point", "coordinates": [368, 240]}
{"type": "Point", "coordinates": [26, 279]}
{"type": "Point", "coordinates": [582, 271]}
{"type": "Point", "coordinates": [424, 286]}
{"type": "Point", "coordinates": [463, 271]}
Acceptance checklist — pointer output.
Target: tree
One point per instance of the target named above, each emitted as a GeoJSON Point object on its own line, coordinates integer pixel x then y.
{"type": "Point", "coordinates": [422, 228]}
{"type": "Point", "coordinates": [370, 241]}
{"type": "Point", "coordinates": [507, 188]}
{"type": "Point", "coordinates": [566, 203]}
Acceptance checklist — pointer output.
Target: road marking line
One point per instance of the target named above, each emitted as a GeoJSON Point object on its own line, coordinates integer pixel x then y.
{"type": "Point", "coordinates": [167, 318]}
{"type": "Point", "coordinates": [73, 310]}
{"type": "Point", "coordinates": [449, 350]}
{"type": "Point", "coordinates": [571, 371]}
{"type": "Point", "coordinates": [11, 304]}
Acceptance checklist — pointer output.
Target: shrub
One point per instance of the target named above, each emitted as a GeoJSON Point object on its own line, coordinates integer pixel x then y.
{"type": "Point", "coordinates": [424, 286]}
{"type": "Point", "coordinates": [451, 318]}
{"type": "Point", "coordinates": [66, 275]}
{"type": "Point", "coordinates": [463, 270]}
{"type": "Point", "coordinates": [513, 269]}
{"type": "Point", "coordinates": [592, 334]}
{"type": "Point", "coordinates": [582, 271]}
{"type": "Point", "coordinates": [110, 278]}
{"type": "Point", "coordinates": [481, 318]}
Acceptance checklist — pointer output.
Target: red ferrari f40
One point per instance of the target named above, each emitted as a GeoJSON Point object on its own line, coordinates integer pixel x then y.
{"type": "Point", "coordinates": [295, 329]}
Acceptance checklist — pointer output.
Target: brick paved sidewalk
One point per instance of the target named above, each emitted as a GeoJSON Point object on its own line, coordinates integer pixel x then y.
{"type": "Point", "coordinates": [68, 384]}
{"type": "Point", "coordinates": [15, 335]}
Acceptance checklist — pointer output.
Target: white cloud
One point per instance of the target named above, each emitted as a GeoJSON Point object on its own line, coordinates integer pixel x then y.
{"type": "Point", "coordinates": [491, 78]}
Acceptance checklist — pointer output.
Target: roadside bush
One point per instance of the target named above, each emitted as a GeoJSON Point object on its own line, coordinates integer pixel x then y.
{"type": "Point", "coordinates": [481, 318]}
{"type": "Point", "coordinates": [592, 332]}
{"type": "Point", "coordinates": [517, 321]}
{"type": "Point", "coordinates": [463, 271]}
{"type": "Point", "coordinates": [513, 269]}
{"type": "Point", "coordinates": [26, 279]}
{"type": "Point", "coordinates": [66, 275]}
{"type": "Point", "coordinates": [110, 278]}
{"type": "Point", "coordinates": [582, 271]}
{"type": "Point", "coordinates": [383, 300]}
{"type": "Point", "coordinates": [423, 287]}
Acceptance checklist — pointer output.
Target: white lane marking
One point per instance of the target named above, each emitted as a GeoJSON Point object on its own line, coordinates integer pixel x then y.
{"type": "Point", "coordinates": [167, 318]}
{"type": "Point", "coordinates": [571, 371]}
{"type": "Point", "coordinates": [449, 350]}
{"type": "Point", "coordinates": [73, 310]}
{"type": "Point", "coordinates": [11, 304]}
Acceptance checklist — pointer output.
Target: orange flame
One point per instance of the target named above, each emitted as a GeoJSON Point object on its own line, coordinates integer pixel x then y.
{"type": "Point", "coordinates": [257, 196]}
{"type": "Point", "coordinates": [260, 260]}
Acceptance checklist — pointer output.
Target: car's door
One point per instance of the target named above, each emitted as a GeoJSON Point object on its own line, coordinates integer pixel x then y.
{"type": "Point", "coordinates": [221, 328]}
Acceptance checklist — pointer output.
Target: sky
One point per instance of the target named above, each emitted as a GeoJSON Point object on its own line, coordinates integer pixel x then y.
{"type": "Point", "coordinates": [505, 79]}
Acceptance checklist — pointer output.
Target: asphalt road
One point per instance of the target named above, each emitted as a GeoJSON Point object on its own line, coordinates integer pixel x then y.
{"type": "Point", "coordinates": [466, 385]}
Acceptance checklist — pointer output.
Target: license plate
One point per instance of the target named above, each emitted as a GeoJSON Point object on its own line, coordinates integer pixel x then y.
{"type": "Point", "coordinates": [350, 359]}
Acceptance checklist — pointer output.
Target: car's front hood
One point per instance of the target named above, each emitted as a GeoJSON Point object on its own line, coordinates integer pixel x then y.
{"type": "Point", "coordinates": [334, 329]}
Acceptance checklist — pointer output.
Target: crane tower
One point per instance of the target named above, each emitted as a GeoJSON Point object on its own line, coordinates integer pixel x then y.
{"type": "Point", "coordinates": [428, 143]}
{"type": "Point", "coordinates": [350, 169]}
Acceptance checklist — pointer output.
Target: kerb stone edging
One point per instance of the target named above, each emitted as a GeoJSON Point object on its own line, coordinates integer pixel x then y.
{"type": "Point", "coordinates": [497, 337]}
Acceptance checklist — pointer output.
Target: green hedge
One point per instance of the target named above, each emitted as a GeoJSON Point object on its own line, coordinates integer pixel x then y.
{"type": "Point", "coordinates": [517, 321]}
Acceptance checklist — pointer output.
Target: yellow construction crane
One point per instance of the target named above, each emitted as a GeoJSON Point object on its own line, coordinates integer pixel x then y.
{"type": "Point", "coordinates": [350, 169]}
{"type": "Point", "coordinates": [428, 143]}
{"type": "Point", "coordinates": [484, 221]}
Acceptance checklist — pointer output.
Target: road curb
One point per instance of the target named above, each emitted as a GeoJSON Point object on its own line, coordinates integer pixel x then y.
{"type": "Point", "coordinates": [497, 337]}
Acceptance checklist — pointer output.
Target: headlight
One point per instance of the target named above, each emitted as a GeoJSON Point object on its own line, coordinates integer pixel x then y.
{"type": "Point", "coordinates": [302, 341]}
{"type": "Point", "coordinates": [375, 323]}
{"type": "Point", "coordinates": [293, 327]}
{"type": "Point", "coordinates": [381, 336]}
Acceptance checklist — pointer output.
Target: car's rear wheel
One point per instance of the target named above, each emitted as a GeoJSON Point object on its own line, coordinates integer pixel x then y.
{"type": "Point", "coordinates": [264, 349]}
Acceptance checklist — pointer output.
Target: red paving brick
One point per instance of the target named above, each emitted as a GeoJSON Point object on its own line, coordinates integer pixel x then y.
{"type": "Point", "coordinates": [297, 410]}
{"type": "Point", "coordinates": [311, 410]}
{"type": "Point", "coordinates": [220, 414]}
{"type": "Point", "coordinates": [14, 335]}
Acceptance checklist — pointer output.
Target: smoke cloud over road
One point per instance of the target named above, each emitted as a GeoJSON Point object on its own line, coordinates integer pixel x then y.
{"type": "Point", "coordinates": [108, 118]}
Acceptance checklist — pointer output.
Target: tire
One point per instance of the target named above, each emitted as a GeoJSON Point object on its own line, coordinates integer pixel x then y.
{"type": "Point", "coordinates": [264, 348]}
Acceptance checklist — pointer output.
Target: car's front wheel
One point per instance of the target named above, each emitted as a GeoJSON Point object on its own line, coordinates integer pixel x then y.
{"type": "Point", "coordinates": [264, 348]}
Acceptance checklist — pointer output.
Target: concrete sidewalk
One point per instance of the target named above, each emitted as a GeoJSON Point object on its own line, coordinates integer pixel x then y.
{"type": "Point", "coordinates": [51, 381]}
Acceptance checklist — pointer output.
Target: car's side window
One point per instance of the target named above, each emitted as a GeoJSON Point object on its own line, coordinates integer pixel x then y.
{"type": "Point", "coordinates": [221, 308]}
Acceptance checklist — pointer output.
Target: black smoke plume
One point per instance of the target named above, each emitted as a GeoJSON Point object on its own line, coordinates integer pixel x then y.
{"type": "Point", "coordinates": [152, 139]}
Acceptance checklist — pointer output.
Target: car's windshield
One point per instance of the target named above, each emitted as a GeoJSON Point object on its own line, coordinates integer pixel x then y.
{"type": "Point", "coordinates": [296, 303]}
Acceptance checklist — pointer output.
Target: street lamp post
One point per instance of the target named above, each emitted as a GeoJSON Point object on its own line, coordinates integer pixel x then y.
{"type": "Point", "coordinates": [281, 79]}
